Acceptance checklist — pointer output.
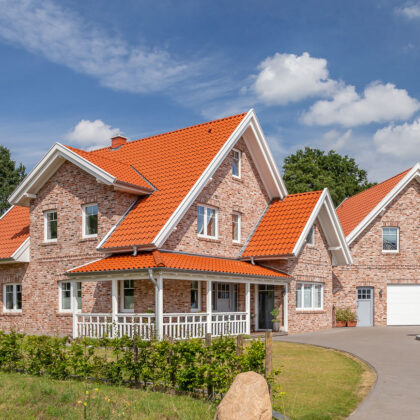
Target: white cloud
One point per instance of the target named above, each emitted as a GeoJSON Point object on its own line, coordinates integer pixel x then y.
{"type": "Point", "coordinates": [411, 11]}
{"type": "Point", "coordinates": [378, 103]}
{"type": "Point", "coordinates": [91, 134]}
{"type": "Point", "coordinates": [285, 78]}
{"type": "Point", "coordinates": [63, 37]}
{"type": "Point", "coordinates": [401, 141]}
{"type": "Point", "coordinates": [336, 140]}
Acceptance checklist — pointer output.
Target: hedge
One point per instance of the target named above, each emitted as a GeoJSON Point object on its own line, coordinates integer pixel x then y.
{"type": "Point", "coordinates": [186, 366]}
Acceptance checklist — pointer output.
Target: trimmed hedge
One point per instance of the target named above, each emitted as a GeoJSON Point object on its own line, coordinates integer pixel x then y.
{"type": "Point", "coordinates": [187, 366]}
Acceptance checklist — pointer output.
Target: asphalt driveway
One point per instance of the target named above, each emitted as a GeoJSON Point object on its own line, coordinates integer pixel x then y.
{"type": "Point", "coordinates": [393, 352]}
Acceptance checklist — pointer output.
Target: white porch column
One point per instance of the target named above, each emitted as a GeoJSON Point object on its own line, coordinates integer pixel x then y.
{"type": "Point", "coordinates": [114, 306]}
{"type": "Point", "coordinates": [286, 308]}
{"type": "Point", "coordinates": [248, 307]}
{"type": "Point", "coordinates": [209, 305]}
{"type": "Point", "coordinates": [256, 308]}
{"type": "Point", "coordinates": [74, 306]}
{"type": "Point", "coordinates": [159, 307]}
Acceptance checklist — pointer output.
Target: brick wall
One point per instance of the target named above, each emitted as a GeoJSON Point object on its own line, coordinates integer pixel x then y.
{"type": "Point", "coordinates": [372, 267]}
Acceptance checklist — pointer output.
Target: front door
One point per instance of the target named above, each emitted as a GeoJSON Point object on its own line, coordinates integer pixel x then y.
{"type": "Point", "coordinates": [364, 306]}
{"type": "Point", "coordinates": [265, 306]}
{"type": "Point", "coordinates": [225, 297]}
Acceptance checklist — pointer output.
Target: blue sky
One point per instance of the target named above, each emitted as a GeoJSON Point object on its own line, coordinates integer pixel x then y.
{"type": "Point", "coordinates": [329, 74]}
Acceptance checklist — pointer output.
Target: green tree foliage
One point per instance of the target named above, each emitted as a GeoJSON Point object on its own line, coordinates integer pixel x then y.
{"type": "Point", "coordinates": [10, 177]}
{"type": "Point", "coordinates": [313, 169]}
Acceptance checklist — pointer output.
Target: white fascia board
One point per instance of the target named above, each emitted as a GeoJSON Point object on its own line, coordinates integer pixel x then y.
{"type": "Point", "coordinates": [415, 172]}
{"type": "Point", "coordinates": [22, 253]}
{"type": "Point", "coordinates": [189, 199]}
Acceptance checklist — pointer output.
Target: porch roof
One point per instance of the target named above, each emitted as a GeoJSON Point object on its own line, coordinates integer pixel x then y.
{"type": "Point", "coordinates": [176, 261]}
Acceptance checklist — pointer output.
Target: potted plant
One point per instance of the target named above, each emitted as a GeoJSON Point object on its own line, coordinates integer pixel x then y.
{"type": "Point", "coordinates": [276, 323]}
{"type": "Point", "coordinates": [340, 318]}
{"type": "Point", "coordinates": [351, 317]}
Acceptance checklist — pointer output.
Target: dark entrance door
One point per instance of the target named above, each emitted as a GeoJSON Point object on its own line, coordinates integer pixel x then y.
{"type": "Point", "coordinates": [265, 306]}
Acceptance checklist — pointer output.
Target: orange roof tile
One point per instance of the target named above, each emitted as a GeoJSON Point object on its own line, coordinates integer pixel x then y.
{"type": "Point", "coordinates": [14, 230]}
{"type": "Point", "coordinates": [353, 210]}
{"type": "Point", "coordinates": [282, 225]}
{"type": "Point", "coordinates": [175, 261]}
{"type": "Point", "coordinates": [172, 162]}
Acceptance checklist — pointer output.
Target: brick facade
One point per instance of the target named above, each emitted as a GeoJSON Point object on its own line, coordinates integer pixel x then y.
{"type": "Point", "coordinates": [374, 268]}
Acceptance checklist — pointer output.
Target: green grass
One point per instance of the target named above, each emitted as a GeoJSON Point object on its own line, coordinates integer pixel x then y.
{"type": "Point", "coordinates": [319, 383]}
{"type": "Point", "coordinates": [29, 397]}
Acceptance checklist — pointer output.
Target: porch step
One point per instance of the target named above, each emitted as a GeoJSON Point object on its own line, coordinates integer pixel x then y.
{"type": "Point", "coordinates": [262, 334]}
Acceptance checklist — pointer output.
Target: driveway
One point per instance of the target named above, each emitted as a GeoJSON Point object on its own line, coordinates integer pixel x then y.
{"type": "Point", "coordinates": [393, 352]}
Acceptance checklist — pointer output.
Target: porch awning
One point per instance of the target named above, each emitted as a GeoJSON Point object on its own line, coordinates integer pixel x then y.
{"type": "Point", "coordinates": [176, 261]}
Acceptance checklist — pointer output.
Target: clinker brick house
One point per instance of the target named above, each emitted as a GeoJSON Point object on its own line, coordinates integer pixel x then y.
{"type": "Point", "coordinates": [178, 234]}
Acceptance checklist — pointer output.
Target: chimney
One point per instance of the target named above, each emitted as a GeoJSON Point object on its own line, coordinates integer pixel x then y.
{"type": "Point", "coordinates": [118, 141]}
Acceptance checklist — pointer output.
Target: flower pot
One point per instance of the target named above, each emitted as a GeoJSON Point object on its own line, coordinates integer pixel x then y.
{"type": "Point", "coordinates": [351, 323]}
{"type": "Point", "coordinates": [340, 324]}
{"type": "Point", "coordinates": [276, 326]}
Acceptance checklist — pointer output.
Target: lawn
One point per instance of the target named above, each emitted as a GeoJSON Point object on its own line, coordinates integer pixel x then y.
{"type": "Point", "coordinates": [319, 383]}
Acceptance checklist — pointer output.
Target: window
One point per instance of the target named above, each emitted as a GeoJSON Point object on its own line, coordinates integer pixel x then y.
{"type": "Point", "coordinates": [364, 293]}
{"type": "Point", "coordinates": [236, 227]}
{"type": "Point", "coordinates": [236, 163]}
{"type": "Point", "coordinates": [50, 226]}
{"type": "Point", "coordinates": [12, 298]}
{"type": "Point", "coordinates": [90, 220]}
{"type": "Point", "coordinates": [70, 298]}
{"type": "Point", "coordinates": [195, 296]}
{"type": "Point", "coordinates": [309, 296]}
{"type": "Point", "coordinates": [310, 239]}
{"type": "Point", "coordinates": [207, 222]}
{"type": "Point", "coordinates": [390, 239]}
{"type": "Point", "coordinates": [127, 296]}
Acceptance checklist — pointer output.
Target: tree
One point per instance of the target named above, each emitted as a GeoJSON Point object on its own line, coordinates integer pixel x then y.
{"type": "Point", "coordinates": [313, 169]}
{"type": "Point", "coordinates": [10, 177]}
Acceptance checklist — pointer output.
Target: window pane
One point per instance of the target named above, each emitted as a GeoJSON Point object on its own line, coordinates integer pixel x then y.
{"type": "Point", "coordinates": [18, 296]}
{"type": "Point", "coordinates": [194, 295]}
{"type": "Point", "coordinates": [52, 225]}
{"type": "Point", "coordinates": [307, 296]}
{"type": "Point", "coordinates": [236, 157]}
{"type": "Point", "coordinates": [9, 296]}
{"type": "Point", "coordinates": [128, 294]}
{"type": "Point", "coordinates": [91, 219]}
{"type": "Point", "coordinates": [66, 295]}
{"type": "Point", "coordinates": [211, 222]}
{"type": "Point", "coordinates": [318, 296]}
{"type": "Point", "coordinates": [79, 295]}
{"type": "Point", "coordinates": [299, 296]}
{"type": "Point", "coordinates": [200, 220]}
{"type": "Point", "coordinates": [390, 239]}
{"type": "Point", "coordinates": [236, 227]}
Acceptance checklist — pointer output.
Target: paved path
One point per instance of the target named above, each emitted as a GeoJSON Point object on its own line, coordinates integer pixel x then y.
{"type": "Point", "coordinates": [393, 352]}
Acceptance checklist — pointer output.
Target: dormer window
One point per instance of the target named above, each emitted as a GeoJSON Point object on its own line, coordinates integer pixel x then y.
{"type": "Point", "coordinates": [390, 239]}
{"type": "Point", "coordinates": [236, 163]}
{"type": "Point", "coordinates": [90, 220]}
{"type": "Point", "coordinates": [310, 239]}
{"type": "Point", "coordinates": [207, 222]}
{"type": "Point", "coordinates": [50, 226]}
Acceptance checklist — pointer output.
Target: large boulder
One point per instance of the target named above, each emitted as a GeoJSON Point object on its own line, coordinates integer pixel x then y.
{"type": "Point", "coordinates": [247, 399]}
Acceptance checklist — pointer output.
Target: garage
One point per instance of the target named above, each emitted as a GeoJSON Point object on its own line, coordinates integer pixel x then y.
{"type": "Point", "coordinates": [403, 301]}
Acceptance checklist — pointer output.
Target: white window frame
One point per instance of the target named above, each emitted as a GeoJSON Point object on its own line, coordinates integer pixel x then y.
{"type": "Point", "coordinates": [238, 240]}
{"type": "Point", "coordinates": [310, 237]}
{"type": "Point", "coordinates": [84, 219]}
{"type": "Point", "coordinates": [73, 297]}
{"type": "Point", "coordinates": [312, 286]}
{"type": "Point", "coordinates": [391, 251]}
{"type": "Point", "coordinates": [198, 309]}
{"type": "Point", "coordinates": [46, 213]}
{"type": "Point", "coordinates": [216, 220]}
{"type": "Point", "coordinates": [122, 307]}
{"type": "Point", "coordinates": [14, 310]}
{"type": "Point", "coordinates": [239, 176]}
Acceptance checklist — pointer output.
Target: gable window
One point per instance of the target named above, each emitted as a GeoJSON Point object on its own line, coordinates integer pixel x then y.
{"type": "Point", "coordinates": [207, 222]}
{"type": "Point", "coordinates": [70, 298]}
{"type": "Point", "coordinates": [310, 239]}
{"type": "Point", "coordinates": [236, 163]}
{"type": "Point", "coordinates": [195, 296]}
{"type": "Point", "coordinates": [236, 227]}
{"type": "Point", "coordinates": [127, 296]}
{"type": "Point", "coordinates": [50, 226]}
{"type": "Point", "coordinates": [309, 296]}
{"type": "Point", "coordinates": [90, 220]}
{"type": "Point", "coordinates": [390, 239]}
{"type": "Point", "coordinates": [12, 297]}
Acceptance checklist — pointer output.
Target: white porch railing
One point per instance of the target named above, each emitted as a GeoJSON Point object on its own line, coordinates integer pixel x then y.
{"type": "Point", "coordinates": [187, 325]}
{"type": "Point", "coordinates": [228, 323]}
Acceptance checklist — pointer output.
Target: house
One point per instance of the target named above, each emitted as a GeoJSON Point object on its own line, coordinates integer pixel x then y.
{"type": "Point", "coordinates": [383, 232]}
{"type": "Point", "coordinates": [180, 234]}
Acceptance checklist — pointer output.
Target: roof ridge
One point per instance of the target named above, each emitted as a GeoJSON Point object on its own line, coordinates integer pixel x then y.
{"type": "Point", "coordinates": [158, 258]}
{"type": "Point", "coordinates": [304, 193]}
{"type": "Point", "coordinates": [177, 130]}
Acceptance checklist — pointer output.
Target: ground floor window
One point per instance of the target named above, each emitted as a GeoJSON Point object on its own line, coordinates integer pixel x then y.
{"type": "Point", "coordinates": [225, 297]}
{"type": "Point", "coordinates": [127, 296]}
{"type": "Point", "coordinates": [12, 297]}
{"type": "Point", "coordinates": [195, 296]}
{"type": "Point", "coordinates": [68, 291]}
{"type": "Point", "coordinates": [309, 295]}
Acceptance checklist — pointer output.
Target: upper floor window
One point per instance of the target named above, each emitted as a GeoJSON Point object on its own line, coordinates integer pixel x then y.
{"type": "Point", "coordinates": [236, 227]}
{"type": "Point", "coordinates": [90, 220]}
{"type": "Point", "coordinates": [70, 298]}
{"type": "Point", "coordinates": [390, 239]}
{"type": "Point", "coordinates": [207, 222]}
{"type": "Point", "coordinates": [12, 297]}
{"type": "Point", "coordinates": [195, 296]}
{"type": "Point", "coordinates": [236, 163]}
{"type": "Point", "coordinates": [309, 295]}
{"type": "Point", "coordinates": [310, 239]}
{"type": "Point", "coordinates": [50, 226]}
{"type": "Point", "coordinates": [127, 296]}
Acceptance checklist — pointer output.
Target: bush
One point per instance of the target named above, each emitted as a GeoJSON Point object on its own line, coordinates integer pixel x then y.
{"type": "Point", "coordinates": [187, 366]}
{"type": "Point", "coordinates": [345, 314]}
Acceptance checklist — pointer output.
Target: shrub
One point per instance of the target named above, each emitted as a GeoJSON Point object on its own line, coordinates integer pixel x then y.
{"type": "Point", "coordinates": [345, 314]}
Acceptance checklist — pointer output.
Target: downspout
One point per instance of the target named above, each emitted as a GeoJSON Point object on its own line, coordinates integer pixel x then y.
{"type": "Point", "coordinates": [152, 279]}
{"type": "Point", "coordinates": [135, 252]}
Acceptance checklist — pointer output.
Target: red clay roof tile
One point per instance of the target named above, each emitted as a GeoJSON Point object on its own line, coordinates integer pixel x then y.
{"type": "Point", "coordinates": [14, 230]}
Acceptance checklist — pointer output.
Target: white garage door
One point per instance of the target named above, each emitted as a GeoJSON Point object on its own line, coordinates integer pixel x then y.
{"type": "Point", "coordinates": [403, 304]}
